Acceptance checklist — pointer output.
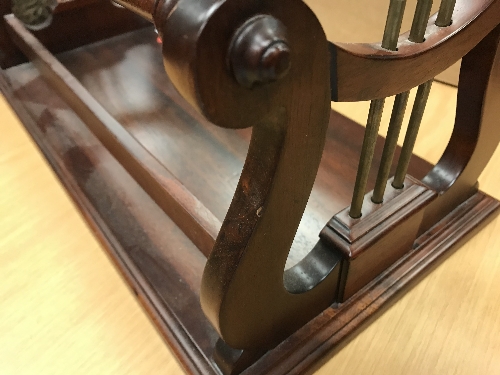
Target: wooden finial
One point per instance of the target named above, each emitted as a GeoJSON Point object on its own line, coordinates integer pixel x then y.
{"type": "Point", "coordinates": [259, 52]}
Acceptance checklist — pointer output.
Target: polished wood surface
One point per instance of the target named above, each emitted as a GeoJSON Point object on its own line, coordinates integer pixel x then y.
{"type": "Point", "coordinates": [475, 136]}
{"type": "Point", "coordinates": [366, 71]}
{"type": "Point", "coordinates": [349, 21]}
{"type": "Point", "coordinates": [168, 285]}
{"type": "Point", "coordinates": [244, 293]}
{"type": "Point", "coordinates": [430, 330]}
{"type": "Point", "coordinates": [197, 222]}
{"type": "Point", "coordinates": [64, 309]}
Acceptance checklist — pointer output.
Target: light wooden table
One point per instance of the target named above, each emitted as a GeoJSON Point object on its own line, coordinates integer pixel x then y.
{"type": "Point", "coordinates": [65, 310]}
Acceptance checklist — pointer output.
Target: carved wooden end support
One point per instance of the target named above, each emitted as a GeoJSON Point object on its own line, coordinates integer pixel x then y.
{"type": "Point", "coordinates": [263, 65]}
{"type": "Point", "coordinates": [475, 36]}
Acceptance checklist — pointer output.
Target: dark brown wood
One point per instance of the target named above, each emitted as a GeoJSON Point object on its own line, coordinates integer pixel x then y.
{"type": "Point", "coordinates": [234, 361]}
{"type": "Point", "coordinates": [249, 256]}
{"type": "Point", "coordinates": [64, 5]}
{"type": "Point", "coordinates": [144, 8]}
{"type": "Point", "coordinates": [142, 241]}
{"type": "Point", "coordinates": [320, 335]}
{"type": "Point", "coordinates": [75, 23]}
{"type": "Point", "coordinates": [145, 243]}
{"type": "Point", "coordinates": [189, 214]}
{"type": "Point", "coordinates": [250, 252]}
{"type": "Point", "coordinates": [124, 217]}
{"type": "Point", "coordinates": [476, 132]}
{"type": "Point", "coordinates": [259, 52]}
{"type": "Point", "coordinates": [381, 236]}
{"type": "Point", "coordinates": [365, 71]}
{"type": "Point", "coordinates": [117, 171]}
{"type": "Point", "coordinates": [149, 108]}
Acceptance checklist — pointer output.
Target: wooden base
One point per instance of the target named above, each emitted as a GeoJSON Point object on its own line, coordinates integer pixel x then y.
{"type": "Point", "coordinates": [385, 233]}
{"type": "Point", "coordinates": [162, 266]}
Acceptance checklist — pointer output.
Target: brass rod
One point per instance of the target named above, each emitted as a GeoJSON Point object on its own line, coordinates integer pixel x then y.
{"type": "Point", "coordinates": [365, 160]}
{"type": "Point", "coordinates": [391, 34]}
{"type": "Point", "coordinates": [445, 13]}
{"type": "Point", "coordinates": [393, 24]}
{"type": "Point", "coordinates": [411, 135]}
{"type": "Point", "coordinates": [390, 145]}
{"type": "Point", "coordinates": [390, 40]}
{"type": "Point", "coordinates": [420, 20]}
{"type": "Point", "coordinates": [417, 33]}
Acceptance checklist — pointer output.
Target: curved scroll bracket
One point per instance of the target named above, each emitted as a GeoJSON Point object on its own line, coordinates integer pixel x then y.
{"type": "Point", "coordinates": [476, 133]}
{"type": "Point", "coordinates": [362, 71]}
{"type": "Point", "coordinates": [244, 289]}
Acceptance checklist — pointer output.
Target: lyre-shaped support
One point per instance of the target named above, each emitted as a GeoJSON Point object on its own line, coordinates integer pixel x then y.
{"type": "Point", "coordinates": [245, 292]}
{"type": "Point", "coordinates": [400, 218]}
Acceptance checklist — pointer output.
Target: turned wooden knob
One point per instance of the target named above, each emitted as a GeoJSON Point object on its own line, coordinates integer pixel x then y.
{"type": "Point", "coordinates": [259, 52]}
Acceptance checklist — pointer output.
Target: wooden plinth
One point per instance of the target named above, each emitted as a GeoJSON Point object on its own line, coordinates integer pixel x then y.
{"type": "Point", "coordinates": [162, 266]}
{"type": "Point", "coordinates": [384, 233]}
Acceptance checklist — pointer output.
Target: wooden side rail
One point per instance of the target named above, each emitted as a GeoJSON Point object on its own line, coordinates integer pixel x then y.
{"type": "Point", "coordinates": [195, 220]}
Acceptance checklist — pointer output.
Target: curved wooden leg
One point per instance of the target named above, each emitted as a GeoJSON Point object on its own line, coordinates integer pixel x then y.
{"type": "Point", "coordinates": [476, 133]}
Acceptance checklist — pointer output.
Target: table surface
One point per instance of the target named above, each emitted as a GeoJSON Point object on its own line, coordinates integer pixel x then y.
{"type": "Point", "coordinates": [65, 310]}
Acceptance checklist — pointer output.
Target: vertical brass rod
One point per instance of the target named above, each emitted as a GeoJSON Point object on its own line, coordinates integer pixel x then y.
{"type": "Point", "coordinates": [417, 35]}
{"type": "Point", "coordinates": [411, 135]}
{"type": "Point", "coordinates": [390, 40]}
{"type": "Point", "coordinates": [445, 13]}
{"type": "Point", "coordinates": [391, 142]}
{"type": "Point", "coordinates": [393, 24]}
{"type": "Point", "coordinates": [366, 157]}
{"type": "Point", "coordinates": [420, 19]}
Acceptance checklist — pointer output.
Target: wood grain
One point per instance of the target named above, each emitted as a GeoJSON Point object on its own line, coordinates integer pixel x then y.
{"type": "Point", "coordinates": [475, 135]}
{"type": "Point", "coordinates": [153, 112]}
{"type": "Point", "coordinates": [64, 307]}
{"type": "Point", "coordinates": [190, 215]}
{"type": "Point", "coordinates": [366, 71]}
{"type": "Point", "coordinates": [100, 329]}
{"type": "Point", "coordinates": [348, 21]}
{"type": "Point", "coordinates": [162, 328]}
